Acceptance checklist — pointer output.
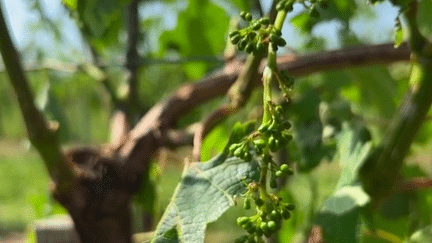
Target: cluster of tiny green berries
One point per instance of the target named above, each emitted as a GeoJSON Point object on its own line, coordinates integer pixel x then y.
{"type": "Point", "coordinates": [257, 36]}
{"type": "Point", "coordinates": [274, 132]}
{"type": "Point", "coordinates": [268, 219]}
{"type": "Point", "coordinates": [270, 137]}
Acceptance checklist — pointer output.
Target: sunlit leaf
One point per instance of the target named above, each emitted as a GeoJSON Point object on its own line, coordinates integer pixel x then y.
{"type": "Point", "coordinates": [204, 193]}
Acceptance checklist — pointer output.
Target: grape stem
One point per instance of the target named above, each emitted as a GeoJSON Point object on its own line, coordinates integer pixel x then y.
{"type": "Point", "coordinates": [268, 77]}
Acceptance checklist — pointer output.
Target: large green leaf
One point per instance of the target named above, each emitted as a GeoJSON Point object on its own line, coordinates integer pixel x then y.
{"type": "Point", "coordinates": [353, 148]}
{"type": "Point", "coordinates": [204, 193]}
{"type": "Point", "coordinates": [339, 216]}
{"type": "Point", "coordinates": [200, 30]}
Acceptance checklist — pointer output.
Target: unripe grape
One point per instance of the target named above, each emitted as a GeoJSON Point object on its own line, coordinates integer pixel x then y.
{"type": "Point", "coordinates": [260, 47]}
{"type": "Point", "coordinates": [273, 183]}
{"type": "Point", "coordinates": [280, 6]}
{"type": "Point", "coordinates": [248, 17]}
{"type": "Point", "coordinates": [262, 214]}
{"type": "Point", "coordinates": [279, 110]}
{"type": "Point", "coordinates": [273, 38]}
{"type": "Point", "coordinates": [264, 127]}
{"type": "Point", "coordinates": [271, 139]}
{"type": "Point", "coordinates": [259, 202]}
{"type": "Point", "coordinates": [246, 204]}
{"type": "Point", "coordinates": [272, 225]}
{"type": "Point", "coordinates": [252, 35]}
{"type": "Point", "coordinates": [235, 39]}
{"type": "Point", "coordinates": [289, 6]}
{"type": "Point", "coordinates": [242, 220]}
{"type": "Point", "coordinates": [234, 33]}
{"type": "Point", "coordinates": [242, 44]}
{"type": "Point", "coordinates": [281, 41]}
{"type": "Point", "coordinates": [264, 226]}
{"type": "Point", "coordinates": [260, 143]}
{"type": "Point", "coordinates": [249, 48]}
{"type": "Point", "coordinates": [243, 15]}
{"type": "Point", "coordinates": [272, 143]}
{"type": "Point", "coordinates": [279, 174]}
{"type": "Point", "coordinates": [286, 125]}
{"type": "Point", "coordinates": [238, 152]}
{"type": "Point", "coordinates": [285, 214]}
{"type": "Point", "coordinates": [247, 157]}
{"type": "Point", "coordinates": [290, 206]}
{"type": "Point", "coordinates": [233, 147]}
{"type": "Point", "coordinates": [247, 225]}
{"type": "Point", "coordinates": [287, 137]}
{"type": "Point", "coordinates": [313, 12]}
{"type": "Point", "coordinates": [278, 32]}
{"type": "Point", "coordinates": [256, 26]}
{"type": "Point", "coordinates": [275, 215]}
{"type": "Point", "coordinates": [284, 168]}
{"type": "Point", "coordinates": [265, 21]}
{"type": "Point", "coordinates": [251, 230]}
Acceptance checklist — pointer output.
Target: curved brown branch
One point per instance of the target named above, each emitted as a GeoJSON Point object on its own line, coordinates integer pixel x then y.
{"type": "Point", "coordinates": [165, 114]}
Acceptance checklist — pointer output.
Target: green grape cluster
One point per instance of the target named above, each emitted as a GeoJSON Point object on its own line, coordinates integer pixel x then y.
{"type": "Point", "coordinates": [257, 36]}
{"type": "Point", "coordinates": [274, 132]}
{"type": "Point", "coordinates": [270, 213]}
{"type": "Point", "coordinates": [270, 137]}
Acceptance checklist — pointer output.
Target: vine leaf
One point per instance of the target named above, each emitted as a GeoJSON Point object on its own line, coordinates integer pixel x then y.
{"type": "Point", "coordinates": [205, 192]}
{"type": "Point", "coordinates": [339, 216]}
{"type": "Point", "coordinates": [353, 148]}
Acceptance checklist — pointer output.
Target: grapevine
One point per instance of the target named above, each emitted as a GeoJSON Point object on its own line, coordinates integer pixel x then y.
{"type": "Point", "coordinates": [258, 38]}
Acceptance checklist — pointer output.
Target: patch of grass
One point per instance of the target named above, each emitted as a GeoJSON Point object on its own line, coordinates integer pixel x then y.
{"type": "Point", "coordinates": [23, 181]}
